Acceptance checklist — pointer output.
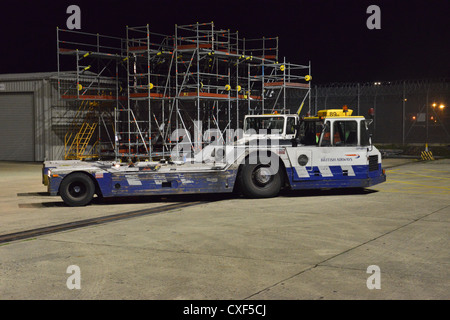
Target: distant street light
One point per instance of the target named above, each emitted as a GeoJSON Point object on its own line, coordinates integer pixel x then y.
{"type": "Point", "coordinates": [441, 107]}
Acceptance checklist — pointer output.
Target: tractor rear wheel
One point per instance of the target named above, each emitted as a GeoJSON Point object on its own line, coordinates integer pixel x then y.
{"type": "Point", "coordinates": [259, 181]}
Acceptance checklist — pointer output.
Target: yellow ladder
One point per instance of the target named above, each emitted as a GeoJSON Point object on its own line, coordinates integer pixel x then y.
{"type": "Point", "coordinates": [77, 140]}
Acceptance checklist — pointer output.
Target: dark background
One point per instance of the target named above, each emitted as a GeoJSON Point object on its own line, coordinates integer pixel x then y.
{"type": "Point", "coordinates": [413, 42]}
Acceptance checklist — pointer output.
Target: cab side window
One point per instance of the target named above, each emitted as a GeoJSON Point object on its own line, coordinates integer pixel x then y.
{"type": "Point", "coordinates": [364, 134]}
{"type": "Point", "coordinates": [290, 125]}
{"type": "Point", "coordinates": [345, 133]}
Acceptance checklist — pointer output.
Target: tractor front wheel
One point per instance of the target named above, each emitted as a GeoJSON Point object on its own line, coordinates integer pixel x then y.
{"type": "Point", "coordinates": [77, 189]}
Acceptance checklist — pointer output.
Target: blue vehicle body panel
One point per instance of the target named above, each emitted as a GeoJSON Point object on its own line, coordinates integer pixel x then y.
{"type": "Point", "coordinates": [127, 184]}
{"type": "Point", "coordinates": [338, 179]}
{"type": "Point", "coordinates": [150, 183]}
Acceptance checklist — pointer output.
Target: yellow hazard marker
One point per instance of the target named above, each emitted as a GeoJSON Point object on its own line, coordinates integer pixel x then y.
{"type": "Point", "coordinates": [238, 88]}
{"type": "Point", "coordinates": [427, 155]}
{"type": "Point", "coordinates": [308, 77]}
{"type": "Point", "coordinates": [282, 67]}
{"type": "Point", "coordinates": [150, 86]}
{"type": "Point", "coordinates": [227, 87]}
{"type": "Point", "coordinates": [79, 87]}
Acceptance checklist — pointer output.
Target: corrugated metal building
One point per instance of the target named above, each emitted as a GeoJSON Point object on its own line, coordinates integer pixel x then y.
{"type": "Point", "coordinates": [27, 102]}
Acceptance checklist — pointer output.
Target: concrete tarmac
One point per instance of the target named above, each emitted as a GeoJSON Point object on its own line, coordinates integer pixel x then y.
{"type": "Point", "coordinates": [301, 245]}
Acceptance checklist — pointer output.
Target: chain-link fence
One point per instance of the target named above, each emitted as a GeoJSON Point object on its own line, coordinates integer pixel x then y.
{"type": "Point", "coordinates": [405, 111]}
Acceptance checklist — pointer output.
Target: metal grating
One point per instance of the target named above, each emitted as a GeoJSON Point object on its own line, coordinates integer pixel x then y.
{"type": "Point", "coordinates": [373, 163]}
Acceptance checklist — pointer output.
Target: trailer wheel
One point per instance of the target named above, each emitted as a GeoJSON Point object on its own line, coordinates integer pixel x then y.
{"type": "Point", "coordinates": [258, 181]}
{"type": "Point", "coordinates": [77, 189]}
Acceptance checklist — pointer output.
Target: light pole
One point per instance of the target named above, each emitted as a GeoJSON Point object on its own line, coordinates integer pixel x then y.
{"type": "Point", "coordinates": [403, 114]}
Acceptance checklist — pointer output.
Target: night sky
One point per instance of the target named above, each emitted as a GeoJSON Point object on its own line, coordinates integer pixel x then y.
{"type": "Point", "coordinates": [413, 42]}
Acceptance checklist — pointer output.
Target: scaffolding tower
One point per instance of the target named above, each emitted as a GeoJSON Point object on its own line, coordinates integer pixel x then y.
{"type": "Point", "coordinates": [154, 91]}
{"type": "Point", "coordinates": [90, 81]}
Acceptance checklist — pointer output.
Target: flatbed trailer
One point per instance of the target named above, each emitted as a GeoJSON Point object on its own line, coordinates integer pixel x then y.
{"type": "Point", "coordinates": [330, 150]}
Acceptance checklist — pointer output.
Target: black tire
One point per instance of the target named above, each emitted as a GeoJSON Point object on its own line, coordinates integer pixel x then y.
{"type": "Point", "coordinates": [77, 189]}
{"type": "Point", "coordinates": [257, 181]}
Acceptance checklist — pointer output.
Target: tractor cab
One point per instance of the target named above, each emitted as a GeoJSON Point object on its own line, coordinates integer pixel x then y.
{"type": "Point", "coordinates": [334, 128]}
{"type": "Point", "coordinates": [331, 128]}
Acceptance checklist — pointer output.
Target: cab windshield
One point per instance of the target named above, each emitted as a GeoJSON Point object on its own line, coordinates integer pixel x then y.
{"type": "Point", "coordinates": [264, 125]}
